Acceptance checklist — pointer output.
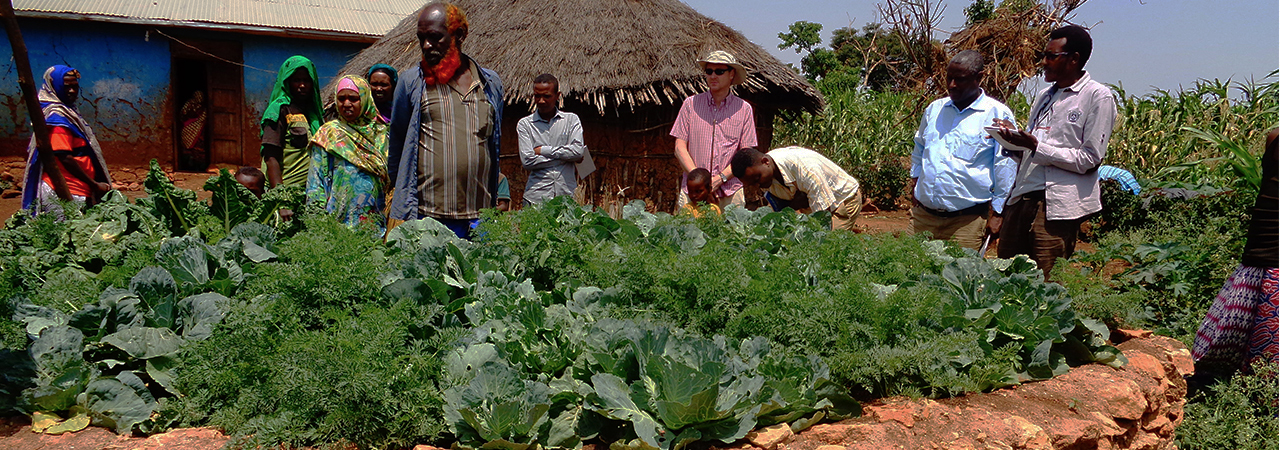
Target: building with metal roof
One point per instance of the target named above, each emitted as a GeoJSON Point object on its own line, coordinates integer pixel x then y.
{"type": "Point", "coordinates": [358, 20]}
{"type": "Point", "coordinates": [142, 61]}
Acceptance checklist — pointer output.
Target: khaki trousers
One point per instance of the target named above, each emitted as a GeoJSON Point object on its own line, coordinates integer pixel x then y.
{"type": "Point", "coordinates": [966, 230]}
{"type": "Point", "coordinates": [843, 216]}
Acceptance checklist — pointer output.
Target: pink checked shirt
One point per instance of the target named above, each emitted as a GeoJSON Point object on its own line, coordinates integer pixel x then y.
{"type": "Point", "coordinates": [713, 134]}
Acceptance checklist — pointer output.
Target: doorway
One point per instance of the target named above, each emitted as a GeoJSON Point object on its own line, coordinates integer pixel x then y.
{"type": "Point", "coordinates": [208, 96]}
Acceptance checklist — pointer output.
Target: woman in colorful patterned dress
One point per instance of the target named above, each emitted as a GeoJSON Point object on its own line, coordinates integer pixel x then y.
{"type": "Point", "coordinates": [1240, 327]}
{"type": "Point", "coordinates": [349, 159]}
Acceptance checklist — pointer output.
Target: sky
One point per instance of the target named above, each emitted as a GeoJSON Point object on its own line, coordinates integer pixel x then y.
{"type": "Point", "coordinates": [1164, 44]}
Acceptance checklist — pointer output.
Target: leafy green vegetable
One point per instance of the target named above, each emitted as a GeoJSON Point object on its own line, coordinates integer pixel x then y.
{"type": "Point", "coordinates": [178, 208]}
{"type": "Point", "coordinates": [232, 203]}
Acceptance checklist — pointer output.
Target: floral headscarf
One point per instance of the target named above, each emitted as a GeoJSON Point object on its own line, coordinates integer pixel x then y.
{"type": "Point", "coordinates": [362, 142]}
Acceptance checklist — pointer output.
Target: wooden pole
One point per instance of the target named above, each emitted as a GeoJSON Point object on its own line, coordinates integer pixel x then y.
{"type": "Point", "coordinates": [29, 96]}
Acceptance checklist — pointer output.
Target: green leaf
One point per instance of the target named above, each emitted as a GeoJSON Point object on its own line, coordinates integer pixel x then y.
{"type": "Point", "coordinates": [187, 260]}
{"type": "Point", "coordinates": [175, 206]}
{"type": "Point", "coordinates": [612, 398]}
{"type": "Point", "coordinates": [199, 314]}
{"type": "Point", "coordinates": [158, 292]}
{"type": "Point", "coordinates": [160, 369]}
{"type": "Point", "coordinates": [145, 342]}
{"type": "Point", "coordinates": [61, 371]}
{"type": "Point", "coordinates": [232, 203]}
{"type": "Point", "coordinates": [114, 404]}
{"type": "Point", "coordinates": [77, 422]}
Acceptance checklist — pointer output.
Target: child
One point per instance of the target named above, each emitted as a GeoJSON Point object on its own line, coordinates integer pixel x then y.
{"type": "Point", "coordinates": [251, 178]}
{"type": "Point", "coordinates": [792, 174]}
{"type": "Point", "coordinates": [699, 184]}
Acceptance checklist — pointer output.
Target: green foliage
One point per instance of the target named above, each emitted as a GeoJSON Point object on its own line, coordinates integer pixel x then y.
{"type": "Point", "coordinates": [700, 329]}
{"type": "Point", "coordinates": [869, 134]}
{"type": "Point", "coordinates": [328, 269]}
{"type": "Point", "coordinates": [1238, 413]}
{"type": "Point", "coordinates": [802, 35]}
{"type": "Point", "coordinates": [1186, 136]}
{"type": "Point", "coordinates": [979, 11]}
{"type": "Point", "coordinates": [232, 203]}
{"type": "Point", "coordinates": [178, 208]}
{"type": "Point", "coordinates": [102, 358]}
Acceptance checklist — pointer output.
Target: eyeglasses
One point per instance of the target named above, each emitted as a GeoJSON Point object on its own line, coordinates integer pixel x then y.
{"type": "Point", "coordinates": [1043, 55]}
{"type": "Point", "coordinates": [716, 71]}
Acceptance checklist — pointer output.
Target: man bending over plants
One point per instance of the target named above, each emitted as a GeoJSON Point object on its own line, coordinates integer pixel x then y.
{"type": "Point", "coordinates": [796, 174]}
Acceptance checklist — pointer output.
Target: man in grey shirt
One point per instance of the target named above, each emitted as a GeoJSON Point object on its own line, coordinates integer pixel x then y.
{"type": "Point", "coordinates": [550, 144]}
{"type": "Point", "coordinates": [1056, 187]}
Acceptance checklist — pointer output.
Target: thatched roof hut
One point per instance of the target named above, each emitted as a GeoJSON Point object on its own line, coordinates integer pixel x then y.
{"type": "Point", "coordinates": [624, 67]}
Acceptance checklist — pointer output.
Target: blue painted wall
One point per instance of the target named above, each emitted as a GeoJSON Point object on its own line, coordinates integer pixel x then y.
{"type": "Point", "coordinates": [124, 78]}
{"type": "Point", "coordinates": [125, 72]}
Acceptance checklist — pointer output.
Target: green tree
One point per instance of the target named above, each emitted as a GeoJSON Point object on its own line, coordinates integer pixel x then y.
{"type": "Point", "coordinates": [979, 11]}
{"type": "Point", "coordinates": [874, 52]}
{"type": "Point", "coordinates": [804, 36]}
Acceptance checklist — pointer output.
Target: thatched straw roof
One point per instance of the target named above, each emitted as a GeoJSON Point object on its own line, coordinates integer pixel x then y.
{"type": "Point", "coordinates": [607, 53]}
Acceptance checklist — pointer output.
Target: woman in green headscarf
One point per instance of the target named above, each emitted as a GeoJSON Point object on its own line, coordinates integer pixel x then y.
{"type": "Point", "coordinates": [349, 159]}
{"type": "Point", "coordinates": [289, 121]}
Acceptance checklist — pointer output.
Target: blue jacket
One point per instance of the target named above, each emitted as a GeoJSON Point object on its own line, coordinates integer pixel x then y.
{"type": "Point", "coordinates": [402, 151]}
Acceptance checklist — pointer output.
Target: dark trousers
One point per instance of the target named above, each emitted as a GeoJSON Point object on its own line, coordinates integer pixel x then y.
{"type": "Point", "coordinates": [1025, 231]}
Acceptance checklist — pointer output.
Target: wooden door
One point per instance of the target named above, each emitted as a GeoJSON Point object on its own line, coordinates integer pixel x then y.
{"type": "Point", "coordinates": [224, 79]}
{"type": "Point", "coordinates": [226, 93]}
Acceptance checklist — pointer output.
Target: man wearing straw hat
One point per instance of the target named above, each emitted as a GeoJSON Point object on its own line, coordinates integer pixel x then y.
{"type": "Point", "coordinates": [712, 126]}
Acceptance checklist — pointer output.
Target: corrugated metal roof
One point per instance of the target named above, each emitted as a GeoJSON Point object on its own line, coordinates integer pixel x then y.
{"type": "Point", "coordinates": [370, 18]}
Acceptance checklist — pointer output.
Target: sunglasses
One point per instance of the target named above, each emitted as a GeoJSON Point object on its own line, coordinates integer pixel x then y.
{"type": "Point", "coordinates": [1051, 56]}
{"type": "Point", "coordinates": [716, 71]}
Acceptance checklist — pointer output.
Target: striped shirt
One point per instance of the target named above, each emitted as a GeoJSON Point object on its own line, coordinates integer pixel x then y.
{"type": "Point", "coordinates": [804, 170]}
{"type": "Point", "coordinates": [714, 134]}
{"type": "Point", "coordinates": [453, 160]}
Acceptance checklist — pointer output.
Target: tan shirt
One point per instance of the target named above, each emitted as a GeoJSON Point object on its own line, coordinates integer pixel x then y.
{"type": "Point", "coordinates": [1073, 126]}
{"type": "Point", "coordinates": [453, 160]}
{"type": "Point", "coordinates": [804, 170]}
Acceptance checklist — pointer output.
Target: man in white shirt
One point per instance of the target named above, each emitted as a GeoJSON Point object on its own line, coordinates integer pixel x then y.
{"type": "Point", "coordinates": [804, 179]}
{"type": "Point", "coordinates": [1057, 183]}
{"type": "Point", "coordinates": [550, 144]}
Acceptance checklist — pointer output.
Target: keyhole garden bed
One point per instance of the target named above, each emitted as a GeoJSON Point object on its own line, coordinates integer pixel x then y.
{"type": "Point", "coordinates": [556, 327]}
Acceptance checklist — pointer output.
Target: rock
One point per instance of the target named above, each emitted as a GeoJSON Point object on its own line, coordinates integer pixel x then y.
{"type": "Point", "coordinates": [1109, 426]}
{"type": "Point", "coordinates": [1182, 361]}
{"type": "Point", "coordinates": [829, 432]}
{"type": "Point", "coordinates": [1133, 334]}
{"type": "Point", "coordinates": [830, 447]}
{"type": "Point", "coordinates": [183, 438]}
{"type": "Point", "coordinates": [1028, 435]}
{"type": "Point", "coordinates": [901, 412]}
{"type": "Point", "coordinates": [1124, 400]}
{"type": "Point", "coordinates": [11, 193]}
{"type": "Point", "coordinates": [1145, 364]}
{"type": "Point", "coordinates": [1158, 424]}
{"type": "Point", "coordinates": [768, 438]}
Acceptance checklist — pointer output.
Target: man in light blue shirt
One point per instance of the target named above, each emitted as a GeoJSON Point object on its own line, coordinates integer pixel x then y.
{"type": "Point", "coordinates": [550, 144]}
{"type": "Point", "coordinates": [959, 178]}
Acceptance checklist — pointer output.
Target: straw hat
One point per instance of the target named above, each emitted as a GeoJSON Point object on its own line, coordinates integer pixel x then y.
{"type": "Point", "coordinates": [723, 57]}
